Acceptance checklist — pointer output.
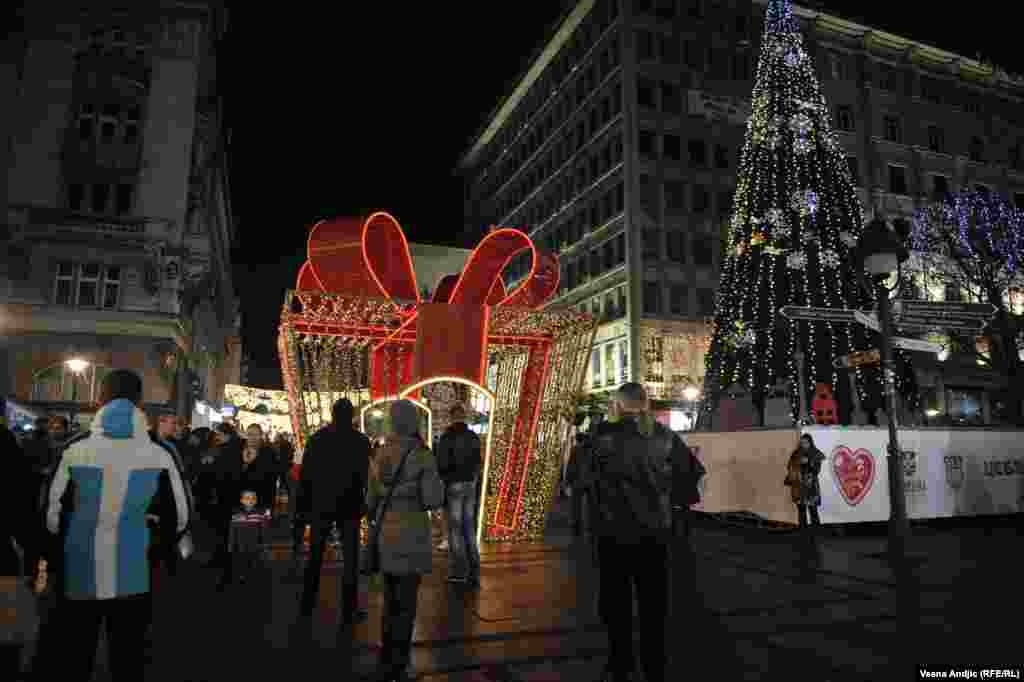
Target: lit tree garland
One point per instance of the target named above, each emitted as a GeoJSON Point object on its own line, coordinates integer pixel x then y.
{"type": "Point", "coordinates": [796, 218]}
{"type": "Point", "coordinates": [975, 242]}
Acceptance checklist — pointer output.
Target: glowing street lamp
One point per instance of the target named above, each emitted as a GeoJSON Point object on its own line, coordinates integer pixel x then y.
{"type": "Point", "coordinates": [691, 393]}
{"type": "Point", "coordinates": [77, 365]}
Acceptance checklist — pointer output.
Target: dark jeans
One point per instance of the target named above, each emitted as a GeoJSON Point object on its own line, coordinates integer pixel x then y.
{"type": "Point", "coordinates": [579, 510]}
{"type": "Point", "coordinates": [463, 550]}
{"type": "Point", "coordinates": [349, 531]}
{"type": "Point", "coordinates": [643, 563]}
{"type": "Point", "coordinates": [400, 594]}
{"type": "Point", "coordinates": [80, 620]}
{"type": "Point", "coordinates": [803, 510]}
{"type": "Point", "coordinates": [10, 661]}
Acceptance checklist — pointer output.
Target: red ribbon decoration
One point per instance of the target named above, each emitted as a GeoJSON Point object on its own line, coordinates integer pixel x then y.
{"type": "Point", "coordinates": [371, 259]}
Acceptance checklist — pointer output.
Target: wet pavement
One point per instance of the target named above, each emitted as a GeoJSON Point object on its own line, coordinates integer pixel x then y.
{"type": "Point", "coordinates": [746, 604]}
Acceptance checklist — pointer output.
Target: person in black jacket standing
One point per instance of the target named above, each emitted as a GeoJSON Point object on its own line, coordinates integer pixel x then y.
{"type": "Point", "coordinates": [335, 467]}
{"type": "Point", "coordinates": [628, 477]}
{"type": "Point", "coordinates": [459, 463]}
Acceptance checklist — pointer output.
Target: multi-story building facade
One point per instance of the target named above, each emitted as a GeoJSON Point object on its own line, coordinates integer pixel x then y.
{"type": "Point", "coordinates": [116, 218]}
{"type": "Point", "coordinates": [618, 150]}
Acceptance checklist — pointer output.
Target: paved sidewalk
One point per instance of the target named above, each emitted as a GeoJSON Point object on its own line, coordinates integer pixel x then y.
{"type": "Point", "coordinates": [746, 604]}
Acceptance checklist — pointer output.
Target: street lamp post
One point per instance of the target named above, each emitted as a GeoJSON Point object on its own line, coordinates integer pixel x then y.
{"type": "Point", "coordinates": [881, 253]}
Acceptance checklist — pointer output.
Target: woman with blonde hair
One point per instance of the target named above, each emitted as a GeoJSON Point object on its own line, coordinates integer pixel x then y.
{"type": "Point", "coordinates": [403, 487]}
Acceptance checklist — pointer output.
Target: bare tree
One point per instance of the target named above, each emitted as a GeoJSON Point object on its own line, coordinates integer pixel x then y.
{"type": "Point", "coordinates": [973, 244]}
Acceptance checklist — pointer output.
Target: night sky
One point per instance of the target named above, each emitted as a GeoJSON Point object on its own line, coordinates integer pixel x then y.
{"type": "Point", "coordinates": [346, 113]}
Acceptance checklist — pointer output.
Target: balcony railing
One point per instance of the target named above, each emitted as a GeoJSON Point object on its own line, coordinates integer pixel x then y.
{"type": "Point", "coordinates": [54, 222]}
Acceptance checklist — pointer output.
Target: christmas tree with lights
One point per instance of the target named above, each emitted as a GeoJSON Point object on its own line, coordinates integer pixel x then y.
{"type": "Point", "coordinates": [796, 220]}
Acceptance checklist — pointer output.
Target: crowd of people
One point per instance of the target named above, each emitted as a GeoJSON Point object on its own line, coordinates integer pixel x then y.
{"type": "Point", "coordinates": [108, 510]}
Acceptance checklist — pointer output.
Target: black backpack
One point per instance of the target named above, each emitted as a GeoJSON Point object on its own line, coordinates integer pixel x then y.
{"type": "Point", "coordinates": [623, 468]}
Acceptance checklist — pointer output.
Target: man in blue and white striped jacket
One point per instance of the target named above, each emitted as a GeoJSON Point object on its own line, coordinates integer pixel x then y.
{"type": "Point", "coordinates": [103, 488]}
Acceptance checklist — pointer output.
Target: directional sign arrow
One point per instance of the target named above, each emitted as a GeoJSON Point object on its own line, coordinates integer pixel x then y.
{"type": "Point", "coordinates": [857, 359]}
{"type": "Point", "coordinates": [794, 312]}
{"type": "Point", "coordinates": [928, 322]}
{"type": "Point", "coordinates": [869, 320]}
{"type": "Point", "coordinates": [944, 308]}
{"type": "Point", "coordinates": [916, 344]}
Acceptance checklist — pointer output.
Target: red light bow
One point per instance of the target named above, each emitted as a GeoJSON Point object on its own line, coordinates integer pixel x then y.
{"type": "Point", "coordinates": [346, 256]}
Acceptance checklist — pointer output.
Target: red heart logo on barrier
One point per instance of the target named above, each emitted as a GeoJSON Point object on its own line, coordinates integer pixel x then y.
{"type": "Point", "coordinates": [854, 473]}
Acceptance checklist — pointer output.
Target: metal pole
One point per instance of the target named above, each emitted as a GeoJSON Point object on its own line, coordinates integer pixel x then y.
{"type": "Point", "coordinates": [898, 528]}
{"type": "Point", "coordinates": [801, 372]}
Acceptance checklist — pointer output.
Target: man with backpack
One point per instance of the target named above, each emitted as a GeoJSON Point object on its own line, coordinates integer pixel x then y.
{"type": "Point", "coordinates": [627, 474]}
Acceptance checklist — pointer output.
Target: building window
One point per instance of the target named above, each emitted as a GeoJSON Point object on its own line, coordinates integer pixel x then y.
{"type": "Point", "coordinates": [844, 118]}
{"type": "Point", "coordinates": [76, 196]}
{"type": "Point", "coordinates": [131, 126]}
{"type": "Point", "coordinates": [645, 93]}
{"type": "Point", "coordinates": [64, 289]}
{"type": "Point", "coordinates": [698, 153]}
{"type": "Point", "coordinates": [86, 123]}
{"type": "Point", "coordinates": [671, 100]}
{"type": "Point", "coordinates": [669, 49]}
{"type": "Point", "coordinates": [652, 298]}
{"type": "Point", "coordinates": [87, 285]}
{"type": "Point", "coordinates": [678, 299]}
{"type": "Point", "coordinates": [645, 144]}
{"type": "Point", "coordinates": [721, 156]}
{"type": "Point", "coordinates": [125, 193]}
{"type": "Point", "coordinates": [609, 364]}
{"type": "Point", "coordinates": [702, 251]}
{"type": "Point", "coordinates": [977, 150]}
{"type": "Point", "coordinates": [100, 197]}
{"type": "Point", "coordinates": [673, 150]}
{"type": "Point", "coordinates": [940, 187]}
{"type": "Point", "coordinates": [936, 139]}
{"type": "Point", "coordinates": [893, 129]}
{"type": "Point", "coordinates": [623, 361]}
{"type": "Point", "coordinates": [652, 250]}
{"type": "Point", "coordinates": [725, 200]}
{"type": "Point", "coordinates": [665, 9]}
{"type": "Point", "coordinates": [676, 246]}
{"type": "Point", "coordinates": [897, 179]}
{"type": "Point", "coordinates": [854, 168]}
{"type": "Point", "coordinates": [700, 199]}
{"type": "Point", "coordinates": [706, 302]}
{"type": "Point", "coordinates": [645, 45]}
{"type": "Point", "coordinates": [675, 197]}
{"type": "Point", "coordinates": [595, 366]}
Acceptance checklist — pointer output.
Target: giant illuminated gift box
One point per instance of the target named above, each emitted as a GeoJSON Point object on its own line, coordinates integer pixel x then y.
{"type": "Point", "coordinates": [356, 326]}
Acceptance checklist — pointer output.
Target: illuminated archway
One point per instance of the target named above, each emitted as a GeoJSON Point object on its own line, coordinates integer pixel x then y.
{"type": "Point", "coordinates": [492, 400]}
{"type": "Point", "coordinates": [390, 399]}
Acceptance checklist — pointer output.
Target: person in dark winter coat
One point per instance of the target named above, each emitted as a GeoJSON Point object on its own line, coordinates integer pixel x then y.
{"type": "Point", "coordinates": [333, 491]}
{"type": "Point", "coordinates": [405, 548]}
{"type": "Point", "coordinates": [802, 474]}
{"type": "Point", "coordinates": [242, 465]}
{"type": "Point", "coordinates": [578, 496]}
{"type": "Point", "coordinates": [628, 476]}
{"type": "Point", "coordinates": [459, 462]}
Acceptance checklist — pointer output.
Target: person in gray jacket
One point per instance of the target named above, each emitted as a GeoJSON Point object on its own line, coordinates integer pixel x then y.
{"type": "Point", "coordinates": [406, 554]}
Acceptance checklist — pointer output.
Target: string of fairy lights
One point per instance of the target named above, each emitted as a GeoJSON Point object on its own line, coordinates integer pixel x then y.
{"type": "Point", "coordinates": [796, 219]}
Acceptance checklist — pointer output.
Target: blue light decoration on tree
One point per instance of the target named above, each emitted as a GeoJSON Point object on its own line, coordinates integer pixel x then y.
{"type": "Point", "coordinates": [796, 220]}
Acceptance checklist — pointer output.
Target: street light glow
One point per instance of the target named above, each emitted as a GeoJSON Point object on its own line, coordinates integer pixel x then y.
{"type": "Point", "coordinates": [943, 354]}
{"type": "Point", "coordinates": [932, 413]}
{"type": "Point", "coordinates": [692, 393]}
{"type": "Point", "coordinates": [77, 365]}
